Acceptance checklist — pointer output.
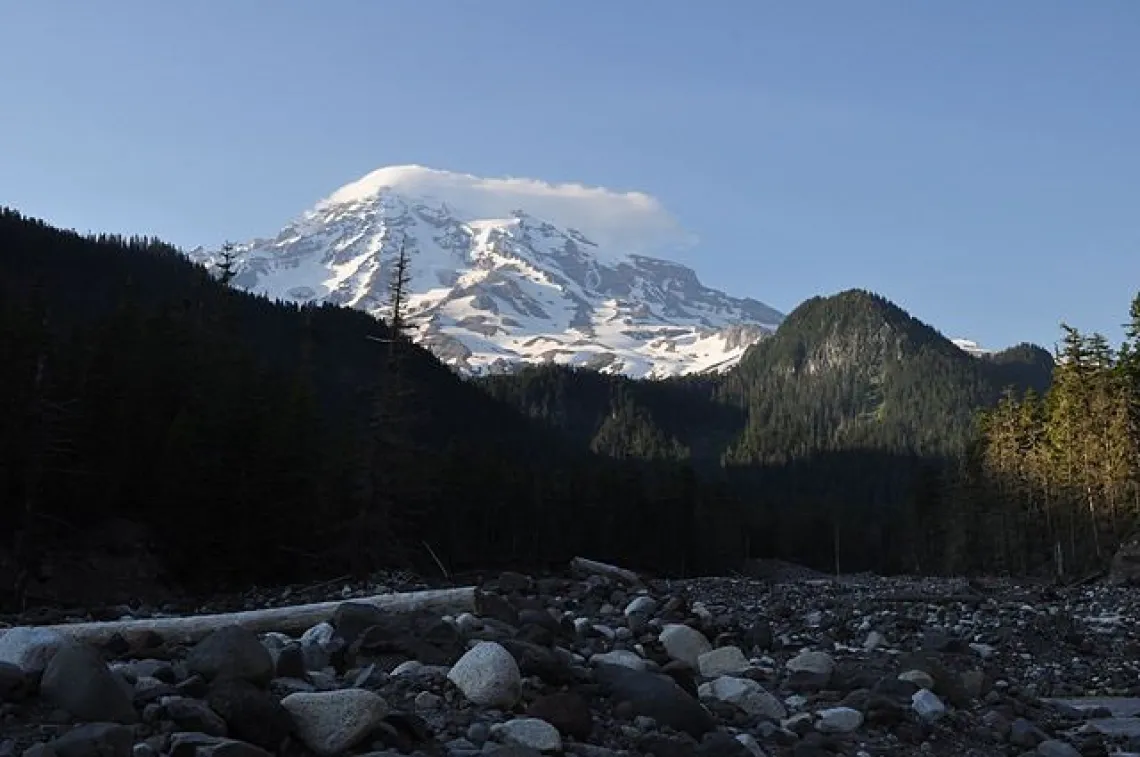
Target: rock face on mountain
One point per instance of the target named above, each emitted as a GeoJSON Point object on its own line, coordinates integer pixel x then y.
{"type": "Point", "coordinates": [493, 286]}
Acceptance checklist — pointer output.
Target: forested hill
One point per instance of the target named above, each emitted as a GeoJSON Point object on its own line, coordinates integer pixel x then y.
{"type": "Point", "coordinates": [256, 441]}
{"type": "Point", "coordinates": [841, 433]}
{"type": "Point", "coordinates": [259, 441]}
{"type": "Point", "coordinates": [855, 371]}
{"type": "Point", "coordinates": [847, 372]}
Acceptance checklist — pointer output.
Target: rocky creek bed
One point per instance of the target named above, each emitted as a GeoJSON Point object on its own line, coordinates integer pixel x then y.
{"type": "Point", "coordinates": [598, 665]}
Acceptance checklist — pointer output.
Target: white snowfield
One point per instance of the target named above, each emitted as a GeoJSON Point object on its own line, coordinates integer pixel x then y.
{"type": "Point", "coordinates": [566, 279]}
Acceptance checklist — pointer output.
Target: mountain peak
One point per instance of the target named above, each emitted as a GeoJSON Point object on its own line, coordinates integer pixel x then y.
{"type": "Point", "coordinates": [855, 328]}
{"type": "Point", "coordinates": [632, 222]}
{"type": "Point", "coordinates": [848, 309]}
{"type": "Point", "coordinates": [409, 179]}
{"type": "Point", "coordinates": [879, 368]}
{"type": "Point", "coordinates": [509, 271]}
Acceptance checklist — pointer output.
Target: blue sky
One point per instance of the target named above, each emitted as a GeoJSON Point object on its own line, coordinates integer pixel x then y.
{"type": "Point", "coordinates": [976, 162]}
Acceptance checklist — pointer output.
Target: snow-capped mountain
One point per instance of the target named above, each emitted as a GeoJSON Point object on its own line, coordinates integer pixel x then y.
{"type": "Point", "coordinates": [495, 283]}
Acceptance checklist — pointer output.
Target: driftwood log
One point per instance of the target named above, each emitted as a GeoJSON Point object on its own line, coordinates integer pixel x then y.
{"type": "Point", "coordinates": [292, 620]}
{"type": "Point", "coordinates": [582, 565]}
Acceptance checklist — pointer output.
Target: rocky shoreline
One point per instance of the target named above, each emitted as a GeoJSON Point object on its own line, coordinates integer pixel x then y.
{"type": "Point", "coordinates": [598, 664]}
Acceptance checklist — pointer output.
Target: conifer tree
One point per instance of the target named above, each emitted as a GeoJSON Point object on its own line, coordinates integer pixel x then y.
{"type": "Point", "coordinates": [1066, 466]}
{"type": "Point", "coordinates": [1128, 367]}
{"type": "Point", "coordinates": [227, 263]}
{"type": "Point", "coordinates": [397, 480]}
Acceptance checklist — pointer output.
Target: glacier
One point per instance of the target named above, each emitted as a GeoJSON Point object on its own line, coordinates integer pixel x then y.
{"type": "Point", "coordinates": [509, 272]}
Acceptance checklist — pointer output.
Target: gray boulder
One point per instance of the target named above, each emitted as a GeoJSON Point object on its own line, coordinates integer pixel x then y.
{"type": "Point", "coordinates": [30, 648]}
{"type": "Point", "coordinates": [332, 722]}
{"type": "Point", "coordinates": [79, 681]}
{"type": "Point", "coordinates": [231, 652]}
{"type": "Point", "coordinates": [655, 696]}
{"type": "Point", "coordinates": [251, 714]}
{"type": "Point", "coordinates": [488, 676]}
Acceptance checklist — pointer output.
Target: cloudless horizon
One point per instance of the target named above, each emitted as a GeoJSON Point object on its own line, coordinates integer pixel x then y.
{"type": "Point", "coordinates": [977, 163]}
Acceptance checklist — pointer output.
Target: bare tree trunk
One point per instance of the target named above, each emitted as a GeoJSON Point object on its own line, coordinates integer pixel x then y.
{"type": "Point", "coordinates": [282, 619]}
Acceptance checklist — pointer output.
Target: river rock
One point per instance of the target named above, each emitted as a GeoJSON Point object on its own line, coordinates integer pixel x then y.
{"type": "Point", "coordinates": [531, 733]}
{"type": "Point", "coordinates": [488, 675]}
{"type": "Point", "coordinates": [30, 648]}
{"type": "Point", "coordinates": [250, 713]}
{"type": "Point", "coordinates": [79, 681]}
{"type": "Point", "coordinates": [684, 643]}
{"type": "Point", "coordinates": [332, 722]}
{"type": "Point", "coordinates": [927, 705]}
{"type": "Point", "coordinates": [722, 661]}
{"type": "Point", "coordinates": [622, 657]}
{"type": "Point", "coordinates": [231, 652]}
{"type": "Point", "coordinates": [655, 696]}
{"type": "Point", "coordinates": [839, 720]}
{"type": "Point", "coordinates": [746, 694]}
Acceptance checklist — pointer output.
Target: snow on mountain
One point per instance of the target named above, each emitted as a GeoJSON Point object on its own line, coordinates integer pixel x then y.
{"type": "Point", "coordinates": [970, 346]}
{"type": "Point", "coordinates": [510, 271]}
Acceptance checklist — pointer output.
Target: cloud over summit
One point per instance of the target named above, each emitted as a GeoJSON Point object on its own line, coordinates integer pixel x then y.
{"type": "Point", "coordinates": [620, 222]}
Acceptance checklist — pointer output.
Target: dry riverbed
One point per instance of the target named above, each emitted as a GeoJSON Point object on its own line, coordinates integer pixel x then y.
{"type": "Point", "coordinates": [596, 665]}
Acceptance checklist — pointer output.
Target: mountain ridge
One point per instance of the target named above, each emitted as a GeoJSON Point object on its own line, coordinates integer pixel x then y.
{"type": "Point", "coordinates": [495, 285]}
{"type": "Point", "coordinates": [849, 369]}
{"type": "Point", "coordinates": [891, 380]}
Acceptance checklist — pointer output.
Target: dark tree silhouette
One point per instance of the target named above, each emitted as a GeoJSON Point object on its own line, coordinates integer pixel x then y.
{"type": "Point", "coordinates": [261, 441]}
{"type": "Point", "coordinates": [227, 263]}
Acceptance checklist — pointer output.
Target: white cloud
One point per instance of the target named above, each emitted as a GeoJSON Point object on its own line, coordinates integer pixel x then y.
{"type": "Point", "coordinates": [619, 222]}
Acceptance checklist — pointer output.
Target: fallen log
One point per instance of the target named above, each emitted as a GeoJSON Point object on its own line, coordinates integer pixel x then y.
{"type": "Point", "coordinates": [292, 620]}
{"type": "Point", "coordinates": [581, 564]}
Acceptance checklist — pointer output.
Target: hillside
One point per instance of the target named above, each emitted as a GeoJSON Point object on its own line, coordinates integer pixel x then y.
{"type": "Point", "coordinates": [260, 441]}
{"type": "Point", "coordinates": [855, 371]}
{"type": "Point", "coordinates": [841, 427]}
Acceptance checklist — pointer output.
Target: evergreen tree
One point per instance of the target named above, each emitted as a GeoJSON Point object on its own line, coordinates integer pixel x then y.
{"type": "Point", "coordinates": [1073, 456]}
{"type": "Point", "coordinates": [227, 264]}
